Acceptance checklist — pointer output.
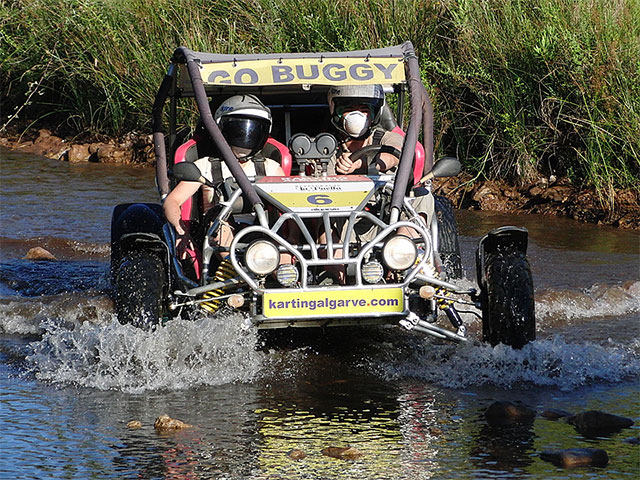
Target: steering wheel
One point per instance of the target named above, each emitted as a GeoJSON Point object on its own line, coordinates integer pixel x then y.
{"type": "Point", "coordinates": [371, 152]}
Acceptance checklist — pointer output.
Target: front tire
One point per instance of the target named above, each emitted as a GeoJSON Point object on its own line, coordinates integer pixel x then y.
{"type": "Point", "coordinates": [448, 244]}
{"type": "Point", "coordinates": [139, 289]}
{"type": "Point", "coordinates": [508, 307]}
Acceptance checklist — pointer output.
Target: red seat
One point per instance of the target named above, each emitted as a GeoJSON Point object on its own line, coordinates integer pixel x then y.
{"type": "Point", "coordinates": [418, 159]}
{"type": "Point", "coordinates": [188, 151]}
{"type": "Point", "coordinates": [281, 151]}
{"type": "Point", "coordinates": [183, 154]}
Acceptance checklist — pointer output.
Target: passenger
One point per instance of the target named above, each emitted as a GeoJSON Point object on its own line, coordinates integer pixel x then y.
{"type": "Point", "coordinates": [245, 123]}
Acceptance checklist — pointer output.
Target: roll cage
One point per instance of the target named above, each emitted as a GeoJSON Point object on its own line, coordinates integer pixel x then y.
{"type": "Point", "coordinates": [278, 78]}
{"type": "Point", "coordinates": [389, 275]}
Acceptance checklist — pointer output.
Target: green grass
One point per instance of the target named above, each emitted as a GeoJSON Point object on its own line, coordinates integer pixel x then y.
{"type": "Point", "coordinates": [520, 88]}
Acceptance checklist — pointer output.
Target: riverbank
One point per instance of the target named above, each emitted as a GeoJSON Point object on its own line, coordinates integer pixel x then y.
{"type": "Point", "coordinates": [547, 196]}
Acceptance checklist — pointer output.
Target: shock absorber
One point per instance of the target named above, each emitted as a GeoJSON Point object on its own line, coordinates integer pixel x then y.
{"type": "Point", "coordinates": [224, 271]}
{"type": "Point", "coordinates": [445, 303]}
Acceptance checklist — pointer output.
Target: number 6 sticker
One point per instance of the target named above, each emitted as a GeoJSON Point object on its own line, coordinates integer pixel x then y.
{"type": "Point", "coordinates": [319, 199]}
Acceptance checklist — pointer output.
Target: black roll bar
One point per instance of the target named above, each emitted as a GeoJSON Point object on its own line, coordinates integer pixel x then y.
{"type": "Point", "coordinates": [421, 115]}
{"type": "Point", "coordinates": [160, 151]}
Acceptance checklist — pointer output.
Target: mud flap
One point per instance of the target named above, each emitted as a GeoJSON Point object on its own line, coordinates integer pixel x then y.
{"type": "Point", "coordinates": [136, 226]}
{"type": "Point", "coordinates": [498, 239]}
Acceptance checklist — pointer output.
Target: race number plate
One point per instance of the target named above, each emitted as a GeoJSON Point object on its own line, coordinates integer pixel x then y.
{"type": "Point", "coordinates": [311, 194]}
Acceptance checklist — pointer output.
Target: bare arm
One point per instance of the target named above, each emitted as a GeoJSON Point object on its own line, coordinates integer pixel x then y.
{"type": "Point", "coordinates": [174, 201]}
{"type": "Point", "coordinates": [385, 162]}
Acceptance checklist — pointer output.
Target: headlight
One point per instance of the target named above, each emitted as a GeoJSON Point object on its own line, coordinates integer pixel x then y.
{"type": "Point", "coordinates": [399, 253]}
{"type": "Point", "coordinates": [262, 257]}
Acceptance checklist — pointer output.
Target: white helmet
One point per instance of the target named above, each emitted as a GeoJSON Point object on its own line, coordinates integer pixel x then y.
{"type": "Point", "coordinates": [244, 121]}
{"type": "Point", "coordinates": [344, 97]}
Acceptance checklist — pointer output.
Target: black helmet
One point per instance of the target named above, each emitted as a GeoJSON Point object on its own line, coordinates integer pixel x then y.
{"type": "Point", "coordinates": [342, 97]}
{"type": "Point", "coordinates": [244, 122]}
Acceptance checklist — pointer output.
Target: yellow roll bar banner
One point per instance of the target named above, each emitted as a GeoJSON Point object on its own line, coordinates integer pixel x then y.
{"type": "Point", "coordinates": [298, 71]}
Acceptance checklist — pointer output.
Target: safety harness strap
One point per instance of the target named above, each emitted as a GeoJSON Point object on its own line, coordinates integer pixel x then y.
{"type": "Point", "coordinates": [259, 162]}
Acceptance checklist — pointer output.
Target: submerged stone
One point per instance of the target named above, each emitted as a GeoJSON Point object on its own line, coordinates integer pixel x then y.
{"type": "Point", "coordinates": [555, 413]}
{"type": "Point", "coordinates": [343, 453]}
{"type": "Point", "coordinates": [164, 423]}
{"type": "Point", "coordinates": [134, 424]}
{"type": "Point", "coordinates": [507, 412]}
{"type": "Point", "coordinates": [39, 253]}
{"type": "Point", "coordinates": [594, 421]}
{"type": "Point", "coordinates": [296, 454]}
{"type": "Point", "coordinates": [577, 457]}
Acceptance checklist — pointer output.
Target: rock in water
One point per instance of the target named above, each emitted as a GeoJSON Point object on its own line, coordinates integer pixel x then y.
{"type": "Point", "coordinates": [134, 424]}
{"type": "Point", "coordinates": [296, 454]}
{"type": "Point", "coordinates": [343, 453]}
{"type": "Point", "coordinates": [39, 253]}
{"type": "Point", "coordinates": [164, 423]}
{"type": "Point", "coordinates": [554, 414]}
{"type": "Point", "coordinates": [506, 412]}
{"type": "Point", "coordinates": [577, 457]}
{"type": "Point", "coordinates": [594, 421]}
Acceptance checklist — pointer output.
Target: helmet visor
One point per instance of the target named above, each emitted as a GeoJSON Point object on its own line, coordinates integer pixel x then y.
{"type": "Point", "coordinates": [245, 132]}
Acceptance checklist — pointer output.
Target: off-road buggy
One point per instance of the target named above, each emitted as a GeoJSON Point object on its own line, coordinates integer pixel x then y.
{"type": "Point", "coordinates": [390, 279]}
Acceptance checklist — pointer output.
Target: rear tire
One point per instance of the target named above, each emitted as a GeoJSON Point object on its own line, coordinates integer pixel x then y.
{"type": "Point", "coordinates": [139, 289]}
{"type": "Point", "coordinates": [448, 244]}
{"type": "Point", "coordinates": [508, 307]}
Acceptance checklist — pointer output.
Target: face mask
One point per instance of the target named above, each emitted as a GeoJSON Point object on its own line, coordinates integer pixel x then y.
{"type": "Point", "coordinates": [356, 123]}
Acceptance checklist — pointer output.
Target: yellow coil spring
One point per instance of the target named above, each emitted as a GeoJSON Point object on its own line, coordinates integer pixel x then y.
{"type": "Point", "coordinates": [224, 271]}
{"type": "Point", "coordinates": [442, 303]}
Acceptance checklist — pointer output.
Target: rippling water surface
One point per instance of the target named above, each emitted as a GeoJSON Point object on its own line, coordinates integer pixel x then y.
{"type": "Point", "coordinates": [72, 377]}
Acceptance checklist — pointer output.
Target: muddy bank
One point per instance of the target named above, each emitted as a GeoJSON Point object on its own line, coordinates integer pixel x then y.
{"type": "Point", "coordinates": [133, 148]}
{"type": "Point", "coordinates": [548, 196]}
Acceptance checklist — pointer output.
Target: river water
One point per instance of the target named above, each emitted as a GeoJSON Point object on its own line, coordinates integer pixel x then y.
{"type": "Point", "coordinates": [72, 377]}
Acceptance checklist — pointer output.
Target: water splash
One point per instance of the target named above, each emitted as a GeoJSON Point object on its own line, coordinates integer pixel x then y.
{"type": "Point", "coordinates": [180, 355]}
{"type": "Point", "coordinates": [548, 363]}
{"type": "Point", "coordinates": [598, 300]}
{"type": "Point", "coordinates": [26, 315]}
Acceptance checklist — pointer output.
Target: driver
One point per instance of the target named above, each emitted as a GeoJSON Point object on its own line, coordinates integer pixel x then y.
{"type": "Point", "coordinates": [355, 113]}
{"type": "Point", "coordinates": [245, 123]}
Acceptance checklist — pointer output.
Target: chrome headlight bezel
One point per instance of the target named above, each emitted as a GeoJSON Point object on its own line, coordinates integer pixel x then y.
{"type": "Point", "coordinates": [399, 253]}
{"type": "Point", "coordinates": [262, 257]}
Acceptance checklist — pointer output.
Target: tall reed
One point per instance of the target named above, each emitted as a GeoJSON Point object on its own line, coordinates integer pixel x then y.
{"type": "Point", "coordinates": [520, 88]}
